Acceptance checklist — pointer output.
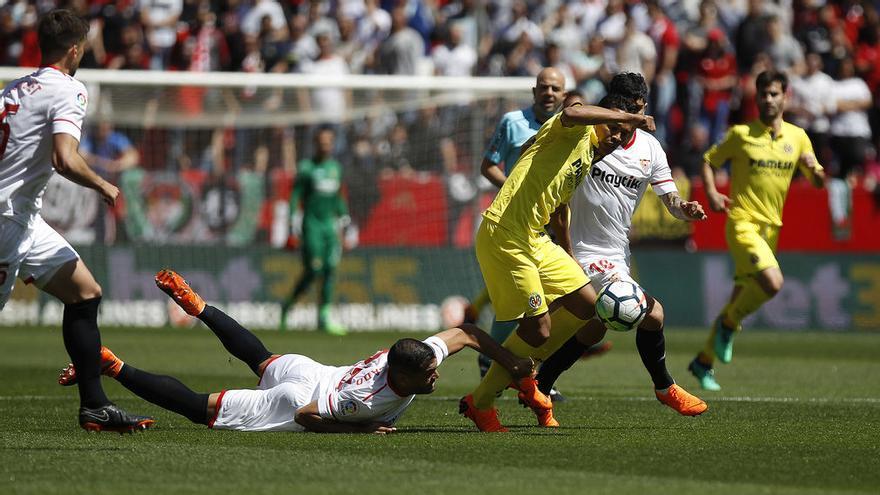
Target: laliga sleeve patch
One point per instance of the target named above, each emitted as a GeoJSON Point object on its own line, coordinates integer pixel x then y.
{"type": "Point", "coordinates": [81, 100]}
{"type": "Point", "coordinates": [348, 408]}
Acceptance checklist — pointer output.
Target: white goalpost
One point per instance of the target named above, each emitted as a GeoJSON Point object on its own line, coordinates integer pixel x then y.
{"type": "Point", "coordinates": [216, 156]}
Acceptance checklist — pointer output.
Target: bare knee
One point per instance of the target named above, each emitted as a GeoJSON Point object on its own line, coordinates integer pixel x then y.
{"type": "Point", "coordinates": [535, 331]}
{"type": "Point", "coordinates": [772, 283]}
{"type": "Point", "coordinates": [91, 291]}
{"type": "Point", "coordinates": [654, 319]}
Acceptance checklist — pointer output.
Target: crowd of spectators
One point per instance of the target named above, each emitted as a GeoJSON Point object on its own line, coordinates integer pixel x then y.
{"type": "Point", "coordinates": [699, 57]}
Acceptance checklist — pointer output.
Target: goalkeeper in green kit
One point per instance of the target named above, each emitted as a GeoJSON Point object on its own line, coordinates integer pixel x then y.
{"type": "Point", "coordinates": [322, 216]}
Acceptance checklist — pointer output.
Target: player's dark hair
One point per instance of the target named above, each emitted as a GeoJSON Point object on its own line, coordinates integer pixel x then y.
{"type": "Point", "coordinates": [769, 77]}
{"type": "Point", "coordinates": [410, 355]}
{"type": "Point", "coordinates": [58, 31]}
{"type": "Point", "coordinates": [571, 96]}
{"type": "Point", "coordinates": [630, 85]}
{"type": "Point", "coordinates": [620, 102]}
{"type": "Point", "coordinates": [575, 94]}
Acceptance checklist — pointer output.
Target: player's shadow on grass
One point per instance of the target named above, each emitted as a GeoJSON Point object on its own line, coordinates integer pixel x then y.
{"type": "Point", "coordinates": [518, 429]}
{"type": "Point", "coordinates": [56, 448]}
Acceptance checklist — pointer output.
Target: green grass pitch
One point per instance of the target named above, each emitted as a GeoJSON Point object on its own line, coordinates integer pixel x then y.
{"type": "Point", "coordinates": [799, 414]}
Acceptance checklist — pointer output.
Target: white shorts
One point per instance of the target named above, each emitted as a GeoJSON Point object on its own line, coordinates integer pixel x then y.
{"type": "Point", "coordinates": [33, 255]}
{"type": "Point", "coordinates": [603, 270]}
{"type": "Point", "coordinates": [288, 383]}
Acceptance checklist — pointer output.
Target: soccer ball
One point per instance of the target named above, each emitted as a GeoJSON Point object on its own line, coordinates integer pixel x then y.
{"type": "Point", "coordinates": [621, 305]}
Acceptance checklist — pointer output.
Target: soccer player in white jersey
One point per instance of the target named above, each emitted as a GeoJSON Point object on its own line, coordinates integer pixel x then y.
{"type": "Point", "coordinates": [40, 122]}
{"type": "Point", "coordinates": [601, 215]}
{"type": "Point", "coordinates": [296, 393]}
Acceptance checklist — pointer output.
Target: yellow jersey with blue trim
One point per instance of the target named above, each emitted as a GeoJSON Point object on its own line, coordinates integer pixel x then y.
{"type": "Point", "coordinates": [762, 166]}
{"type": "Point", "coordinates": [545, 177]}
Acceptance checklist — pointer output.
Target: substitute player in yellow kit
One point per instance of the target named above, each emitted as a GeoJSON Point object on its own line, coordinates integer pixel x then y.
{"type": "Point", "coordinates": [763, 155]}
{"type": "Point", "coordinates": [527, 275]}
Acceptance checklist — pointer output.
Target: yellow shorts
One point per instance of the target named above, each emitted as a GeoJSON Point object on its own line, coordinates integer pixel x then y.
{"type": "Point", "coordinates": [752, 246]}
{"type": "Point", "coordinates": [524, 275]}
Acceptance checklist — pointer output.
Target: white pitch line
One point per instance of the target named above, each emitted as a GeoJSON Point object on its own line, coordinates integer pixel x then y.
{"type": "Point", "coordinates": [819, 400]}
{"type": "Point", "coordinates": [811, 400]}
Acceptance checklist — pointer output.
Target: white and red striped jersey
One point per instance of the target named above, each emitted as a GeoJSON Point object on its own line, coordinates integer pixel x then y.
{"type": "Point", "coordinates": [361, 393]}
{"type": "Point", "coordinates": [602, 207]}
{"type": "Point", "coordinates": [34, 108]}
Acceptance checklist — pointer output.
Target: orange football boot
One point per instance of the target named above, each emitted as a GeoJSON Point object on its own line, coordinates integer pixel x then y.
{"type": "Point", "coordinates": [110, 366]}
{"type": "Point", "coordinates": [485, 419]}
{"type": "Point", "coordinates": [177, 289]}
{"type": "Point", "coordinates": [682, 401]}
{"type": "Point", "coordinates": [534, 399]}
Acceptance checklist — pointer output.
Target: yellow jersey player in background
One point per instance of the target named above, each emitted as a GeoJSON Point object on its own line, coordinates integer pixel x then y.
{"type": "Point", "coordinates": [527, 275]}
{"type": "Point", "coordinates": [763, 156]}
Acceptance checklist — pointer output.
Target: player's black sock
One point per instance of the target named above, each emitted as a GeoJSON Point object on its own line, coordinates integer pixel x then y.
{"type": "Point", "coordinates": [652, 349]}
{"type": "Point", "coordinates": [239, 341]}
{"type": "Point", "coordinates": [166, 392]}
{"type": "Point", "coordinates": [558, 362]}
{"type": "Point", "coordinates": [83, 343]}
{"type": "Point", "coordinates": [483, 363]}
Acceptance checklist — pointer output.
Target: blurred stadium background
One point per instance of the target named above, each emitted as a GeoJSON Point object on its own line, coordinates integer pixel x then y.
{"type": "Point", "coordinates": [201, 109]}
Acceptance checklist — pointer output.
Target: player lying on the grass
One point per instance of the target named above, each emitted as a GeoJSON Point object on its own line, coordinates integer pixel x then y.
{"type": "Point", "coordinates": [296, 393]}
{"type": "Point", "coordinates": [598, 234]}
{"type": "Point", "coordinates": [528, 276]}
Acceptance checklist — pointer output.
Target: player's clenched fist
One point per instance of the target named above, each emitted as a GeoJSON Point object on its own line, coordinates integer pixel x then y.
{"type": "Point", "coordinates": [648, 124]}
{"type": "Point", "coordinates": [109, 193]}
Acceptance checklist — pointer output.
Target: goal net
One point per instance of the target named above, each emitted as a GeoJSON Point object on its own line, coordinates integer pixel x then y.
{"type": "Point", "coordinates": [206, 163]}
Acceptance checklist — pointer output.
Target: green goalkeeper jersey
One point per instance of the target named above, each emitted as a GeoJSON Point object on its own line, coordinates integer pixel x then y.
{"type": "Point", "coordinates": [318, 187]}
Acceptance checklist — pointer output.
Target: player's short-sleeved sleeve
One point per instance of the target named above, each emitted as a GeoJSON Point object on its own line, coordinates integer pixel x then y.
{"type": "Point", "coordinates": [805, 146]}
{"type": "Point", "coordinates": [344, 405]}
{"type": "Point", "coordinates": [500, 144]}
{"type": "Point", "coordinates": [661, 175]}
{"type": "Point", "coordinates": [69, 110]}
{"type": "Point", "coordinates": [720, 152]}
{"type": "Point", "coordinates": [441, 351]}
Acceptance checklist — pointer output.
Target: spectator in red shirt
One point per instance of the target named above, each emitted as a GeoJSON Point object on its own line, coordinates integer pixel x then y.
{"type": "Point", "coordinates": [665, 37]}
{"type": "Point", "coordinates": [717, 77]}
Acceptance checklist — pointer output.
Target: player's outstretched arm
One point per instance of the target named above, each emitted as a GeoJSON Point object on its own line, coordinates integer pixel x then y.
{"type": "Point", "coordinates": [307, 416]}
{"type": "Point", "coordinates": [593, 115]}
{"type": "Point", "coordinates": [71, 165]}
{"type": "Point", "coordinates": [688, 211]}
{"type": "Point", "coordinates": [468, 335]}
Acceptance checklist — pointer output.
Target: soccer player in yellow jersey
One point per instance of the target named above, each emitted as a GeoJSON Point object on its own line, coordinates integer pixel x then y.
{"type": "Point", "coordinates": [527, 275]}
{"type": "Point", "coordinates": [763, 156]}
